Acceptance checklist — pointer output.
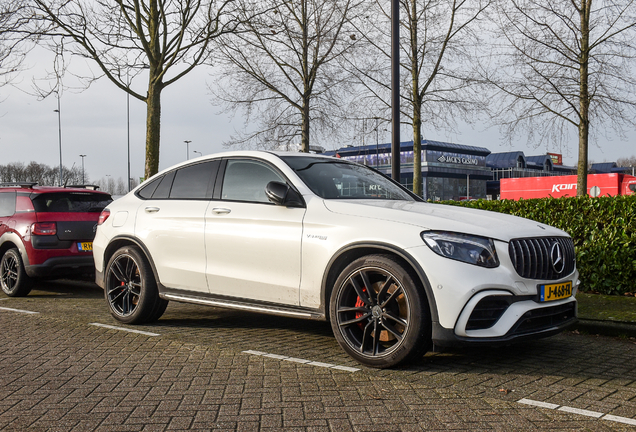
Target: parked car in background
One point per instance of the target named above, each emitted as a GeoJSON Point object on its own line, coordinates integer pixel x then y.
{"type": "Point", "coordinates": [316, 237]}
{"type": "Point", "coordinates": [46, 232]}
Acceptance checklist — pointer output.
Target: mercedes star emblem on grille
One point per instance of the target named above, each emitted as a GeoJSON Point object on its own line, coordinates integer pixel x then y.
{"type": "Point", "coordinates": [556, 255]}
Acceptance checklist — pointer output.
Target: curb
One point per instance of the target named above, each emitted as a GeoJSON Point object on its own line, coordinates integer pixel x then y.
{"type": "Point", "coordinates": [606, 328]}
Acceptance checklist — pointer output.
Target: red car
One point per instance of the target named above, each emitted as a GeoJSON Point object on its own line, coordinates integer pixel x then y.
{"type": "Point", "coordinates": [46, 232]}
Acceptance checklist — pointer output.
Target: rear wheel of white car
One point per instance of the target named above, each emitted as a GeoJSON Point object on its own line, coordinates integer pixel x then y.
{"type": "Point", "coordinates": [130, 289]}
{"type": "Point", "coordinates": [379, 313]}
{"type": "Point", "coordinates": [13, 277]}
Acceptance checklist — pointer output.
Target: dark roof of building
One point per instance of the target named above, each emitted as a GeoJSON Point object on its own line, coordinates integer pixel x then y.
{"type": "Point", "coordinates": [607, 168]}
{"type": "Point", "coordinates": [408, 146]}
{"type": "Point", "coordinates": [604, 167]}
{"type": "Point", "coordinates": [457, 148]}
{"type": "Point", "coordinates": [538, 161]}
{"type": "Point", "coordinates": [505, 159]}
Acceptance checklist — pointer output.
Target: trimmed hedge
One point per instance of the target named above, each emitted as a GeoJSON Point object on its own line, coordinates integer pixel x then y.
{"type": "Point", "coordinates": [603, 229]}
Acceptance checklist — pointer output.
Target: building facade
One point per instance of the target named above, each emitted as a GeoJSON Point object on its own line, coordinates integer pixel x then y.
{"type": "Point", "coordinates": [449, 171]}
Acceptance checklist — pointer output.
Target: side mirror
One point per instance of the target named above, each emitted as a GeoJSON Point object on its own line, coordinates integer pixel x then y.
{"type": "Point", "coordinates": [281, 194]}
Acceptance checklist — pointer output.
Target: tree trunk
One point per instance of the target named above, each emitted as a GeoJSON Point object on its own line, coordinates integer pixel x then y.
{"type": "Point", "coordinates": [153, 128]}
{"type": "Point", "coordinates": [417, 148]}
{"type": "Point", "coordinates": [153, 99]}
{"type": "Point", "coordinates": [305, 127]}
{"type": "Point", "coordinates": [584, 99]}
{"type": "Point", "coordinates": [304, 140]}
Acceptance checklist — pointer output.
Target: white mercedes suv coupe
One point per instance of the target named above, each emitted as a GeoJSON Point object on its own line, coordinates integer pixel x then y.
{"type": "Point", "coordinates": [317, 237]}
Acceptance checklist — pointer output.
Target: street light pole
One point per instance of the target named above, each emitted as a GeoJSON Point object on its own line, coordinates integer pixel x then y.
{"type": "Point", "coordinates": [83, 181]}
{"type": "Point", "coordinates": [200, 154]}
{"type": "Point", "coordinates": [395, 89]}
{"type": "Point", "coordinates": [128, 126]}
{"type": "Point", "coordinates": [59, 129]}
{"type": "Point", "coordinates": [187, 149]}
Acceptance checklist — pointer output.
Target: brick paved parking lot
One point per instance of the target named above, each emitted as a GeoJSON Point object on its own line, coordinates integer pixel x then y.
{"type": "Point", "coordinates": [62, 372]}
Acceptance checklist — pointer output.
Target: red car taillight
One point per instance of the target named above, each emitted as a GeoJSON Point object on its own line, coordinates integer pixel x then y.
{"type": "Point", "coordinates": [103, 216]}
{"type": "Point", "coordinates": [44, 228]}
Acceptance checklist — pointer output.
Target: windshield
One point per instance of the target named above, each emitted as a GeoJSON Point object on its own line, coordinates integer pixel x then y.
{"type": "Point", "coordinates": [337, 179]}
{"type": "Point", "coordinates": [71, 202]}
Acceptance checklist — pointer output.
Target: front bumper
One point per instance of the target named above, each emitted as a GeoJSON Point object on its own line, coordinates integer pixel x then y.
{"type": "Point", "coordinates": [532, 320]}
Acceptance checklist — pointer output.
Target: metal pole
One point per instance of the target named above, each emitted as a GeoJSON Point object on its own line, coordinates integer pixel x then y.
{"type": "Point", "coordinates": [377, 143]}
{"type": "Point", "coordinates": [187, 149]}
{"type": "Point", "coordinates": [59, 129]}
{"type": "Point", "coordinates": [83, 181]}
{"type": "Point", "coordinates": [395, 90]}
{"type": "Point", "coordinates": [128, 127]}
{"type": "Point", "coordinates": [467, 186]}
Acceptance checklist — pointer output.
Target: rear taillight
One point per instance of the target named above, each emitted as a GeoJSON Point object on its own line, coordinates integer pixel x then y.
{"type": "Point", "coordinates": [44, 228]}
{"type": "Point", "coordinates": [103, 216]}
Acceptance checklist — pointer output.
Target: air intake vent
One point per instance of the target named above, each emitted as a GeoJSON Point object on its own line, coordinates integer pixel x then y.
{"type": "Point", "coordinates": [487, 312]}
{"type": "Point", "coordinates": [546, 258]}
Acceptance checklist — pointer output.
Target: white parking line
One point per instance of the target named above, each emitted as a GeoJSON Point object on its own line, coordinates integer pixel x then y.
{"type": "Point", "coordinates": [539, 404]}
{"type": "Point", "coordinates": [625, 420]}
{"type": "Point", "coordinates": [125, 329]}
{"type": "Point", "coordinates": [588, 413]}
{"type": "Point", "coordinates": [18, 310]}
{"type": "Point", "coordinates": [581, 412]}
{"type": "Point", "coordinates": [303, 361]}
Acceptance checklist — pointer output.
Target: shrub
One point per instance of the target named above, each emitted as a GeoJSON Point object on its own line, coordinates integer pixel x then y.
{"type": "Point", "coordinates": [603, 229]}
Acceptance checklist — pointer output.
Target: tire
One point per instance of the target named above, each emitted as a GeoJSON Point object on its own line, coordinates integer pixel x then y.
{"type": "Point", "coordinates": [130, 289]}
{"type": "Point", "coordinates": [390, 327]}
{"type": "Point", "coordinates": [13, 277]}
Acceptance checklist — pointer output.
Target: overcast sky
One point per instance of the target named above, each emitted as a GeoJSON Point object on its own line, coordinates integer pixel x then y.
{"type": "Point", "coordinates": [94, 124]}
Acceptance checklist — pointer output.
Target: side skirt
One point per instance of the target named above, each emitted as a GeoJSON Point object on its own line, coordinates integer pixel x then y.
{"type": "Point", "coordinates": [237, 304]}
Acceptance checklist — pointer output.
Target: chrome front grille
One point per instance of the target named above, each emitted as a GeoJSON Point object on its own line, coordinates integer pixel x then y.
{"type": "Point", "coordinates": [534, 258]}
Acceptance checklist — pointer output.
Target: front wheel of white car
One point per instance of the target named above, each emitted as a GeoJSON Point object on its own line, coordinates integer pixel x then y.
{"type": "Point", "coordinates": [130, 289]}
{"type": "Point", "coordinates": [379, 314]}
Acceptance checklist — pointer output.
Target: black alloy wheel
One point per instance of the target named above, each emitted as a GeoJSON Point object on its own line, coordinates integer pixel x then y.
{"type": "Point", "coordinates": [131, 290]}
{"type": "Point", "coordinates": [378, 312]}
{"type": "Point", "coordinates": [13, 277]}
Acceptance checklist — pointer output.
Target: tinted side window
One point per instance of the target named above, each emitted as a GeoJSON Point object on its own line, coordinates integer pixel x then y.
{"type": "Point", "coordinates": [7, 204]}
{"type": "Point", "coordinates": [193, 182]}
{"type": "Point", "coordinates": [245, 180]}
{"type": "Point", "coordinates": [163, 190]}
{"type": "Point", "coordinates": [147, 191]}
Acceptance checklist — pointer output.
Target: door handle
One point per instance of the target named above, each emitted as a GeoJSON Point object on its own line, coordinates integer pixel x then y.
{"type": "Point", "coordinates": [221, 210]}
{"type": "Point", "coordinates": [152, 209]}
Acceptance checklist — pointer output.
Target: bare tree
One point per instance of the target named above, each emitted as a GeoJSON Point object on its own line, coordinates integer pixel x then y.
{"type": "Point", "coordinates": [121, 188]}
{"type": "Point", "coordinates": [626, 161]}
{"type": "Point", "coordinates": [436, 41]}
{"type": "Point", "coordinates": [42, 174]}
{"type": "Point", "coordinates": [161, 39]}
{"type": "Point", "coordinates": [280, 70]}
{"type": "Point", "coordinates": [564, 65]}
{"type": "Point", "coordinates": [12, 41]}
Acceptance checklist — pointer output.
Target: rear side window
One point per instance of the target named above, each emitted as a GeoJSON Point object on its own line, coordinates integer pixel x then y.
{"type": "Point", "coordinates": [74, 202]}
{"type": "Point", "coordinates": [163, 190]}
{"type": "Point", "coordinates": [147, 191]}
{"type": "Point", "coordinates": [7, 204]}
{"type": "Point", "coordinates": [194, 181]}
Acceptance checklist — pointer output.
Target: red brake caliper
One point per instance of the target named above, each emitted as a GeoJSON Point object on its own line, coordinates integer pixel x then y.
{"type": "Point", "coordinates": [360, 303]}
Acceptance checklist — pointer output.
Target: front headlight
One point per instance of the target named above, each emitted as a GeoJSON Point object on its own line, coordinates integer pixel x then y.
{"type": "Point", "coordinates": [463, 247]}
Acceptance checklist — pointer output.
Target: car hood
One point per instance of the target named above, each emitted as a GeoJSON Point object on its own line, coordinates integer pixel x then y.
{"type": "Point", "coordinates": [442, 217]}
